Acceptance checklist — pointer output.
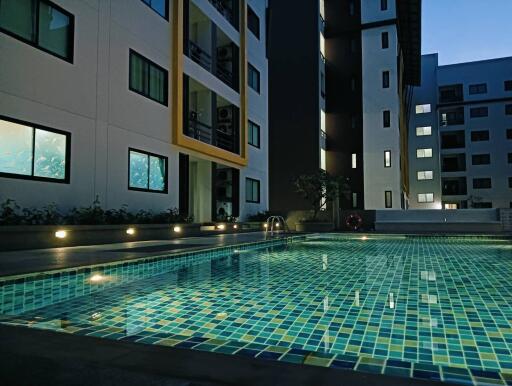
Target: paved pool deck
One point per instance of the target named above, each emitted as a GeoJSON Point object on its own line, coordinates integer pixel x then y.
{"type": "Point", "coordinates": [37, 260]}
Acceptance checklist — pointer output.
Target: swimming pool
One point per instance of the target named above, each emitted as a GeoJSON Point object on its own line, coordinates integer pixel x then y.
{"type": "Point", "coordinates": [436, 308]}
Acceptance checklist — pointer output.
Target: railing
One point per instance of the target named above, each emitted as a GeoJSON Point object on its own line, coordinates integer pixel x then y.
{"type": "Point", "coordinates": [223, 9]}
{"type": "Point", "coordinates": [199, 131]}
{"type": "Point", "coordinates": [200, 56]}
{"type": "Point", "coordinates": [204, 133]}
{"type": "Point", "coordinates": [225, 75]}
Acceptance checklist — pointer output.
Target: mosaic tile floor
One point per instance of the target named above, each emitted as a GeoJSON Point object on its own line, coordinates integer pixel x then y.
{"type": "Point", "coordinates": [423, 307]}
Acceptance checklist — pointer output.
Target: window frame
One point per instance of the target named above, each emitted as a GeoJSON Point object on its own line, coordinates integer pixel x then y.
{"type": "Point", "coordinates": [251, 68]}
{"type": "Point", "coordinates": [422, 131]}
{"type": "Point", "coordinates": [247, 179]}
{"type": "Point", "coordinates": [424, 149]}
{"type": "Point", "coordinates": [386, 79]}
{"type": "Point", "coordinates": [507, 85]}
{"type": "Point", "coordinates": [251, 123]}
{"type": "Point", "coordinates": [32, 177]}
{"type": "Point", "coordinates": [149, 154]}
{"type": "Point", "coordinates": [476, 158]}
{"type": "Point", "coordinates": [150, 62]}
{"type": "Point", "coordinates": [250, 12]}
{"type": "Point", "coordinates": [386, 165]}
{"type": "Point", "coordinates": [423, 107]}
{"type": "Point", "coordinates": [383, 5]}
{"type": "Point", "coordinates": [35, 43]}
{"type": "Point", "coordinates": [477, 88]}
{"type": "Point", "coordinates": [386, 192]}
{"type": "Point", "coordinates": [166, 16]}
{"type": "Point", "coordinates": [481, 179]}
{"type": "Point", "coordinates": [384, 39]}
{"type": "Point", "coordinates": [508, 133]}
{"type": "Point", "coordinates": [474, 133]}
{"type": "Point", "coordinates": [508, 109]}
{"type": "Point", "coordinates": [474, 112]}
{"type": "Point", "coordinates": [386, 119]}
{"type": "Point", "coordinates": [424, 174]}
{"type": "Point", "coordinates": [426, 196]}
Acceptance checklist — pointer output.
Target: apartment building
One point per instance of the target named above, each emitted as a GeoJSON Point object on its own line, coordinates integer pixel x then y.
{"type": "Point", "coordinates": [149, 103]}
{"type": "Point", "coordinates": [460, 146]}
{"type": "Point", "coordinates": [339, 97]}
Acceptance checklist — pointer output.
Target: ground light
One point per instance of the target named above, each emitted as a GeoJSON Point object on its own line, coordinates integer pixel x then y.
{"type": "Point", "coordinates": [130, 231]}
{"type": "Point", "coordinates": [221, 227]}
{"type": "Point", "coordinates": [235, 226]}
{"type": "Point", "coordinates": [61, 234]}
{"type": "Point", "coordinates": [97, 278]}
{"type": "Point", "coordinates": [177, 229]}
{"type": "Point", "coordinates": [265, 225]}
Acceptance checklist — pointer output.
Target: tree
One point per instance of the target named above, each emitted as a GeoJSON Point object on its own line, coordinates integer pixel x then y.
{"type": "Point", "coordinates": [319, 189]}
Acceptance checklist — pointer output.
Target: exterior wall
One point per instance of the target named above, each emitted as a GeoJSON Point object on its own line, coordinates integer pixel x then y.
{"type": "Point", "coordinates": [426, 94]}
{"type": "Point", "coordinates": [493, 73]}
{"type": "Point", "coordinates": [376, 99]}
{"type": "Point", "coordinates": [90, 99]}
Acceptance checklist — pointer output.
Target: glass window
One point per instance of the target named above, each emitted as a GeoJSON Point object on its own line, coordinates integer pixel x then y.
{"type": "Point", "coordinates": [354, 161]}
{"type": "Point", "coordinates": [385, 40]}
{"type": "Point", "coordinates": [383, 5]}
{"type": "Point", "coordinates": [40, 23]}
{"type": "Point", "coordinates": [253, 22]}
{"type": "Point", "coordinates": [252, 190]}
{"type": "Point", "coordinates": [354, 200]}
{"type": "Point", "coordinates": [481, 159]}
{"type": "Point", "coordinates": [482, 183]}
{"type": "Point", "coordinates": [147, 172]}
{"type": "Point", "coordinates": [509, 134]}
{"type": "Point", "coordinates": [478, 88]}
{"type": "Point", "coordinates": [159, 6]}
{"type": "Point", "coordinates": [423, 109]}
{"type": "Point", "coordinates": [147, 78]}
{"type": "Point", "coordinates": [425, 198]}
{"type": "Point", "coordinates": [478, 112]}
{"type": "Point", "coordinates": [423, 131]}
{"type": "Point", "coordinates": [425, 175]}
{"type": "Point", "coordinates": [508, 109]}
{"type": "Point", "coordinates": [33, 152]}
{"type": "Point", "coordinates": [479, 135]}
{"type": "Point", "coordinates": [386, 118]}
{"type": "Point", "coordinates": [254, 134]}
{"type": "Point", "coordinates": [387, 159]}
{"type": "Point", "coordinates": [509, 158]}
{"type": "Point", "coordinates": [423, 153]}
{"type": "Point", "coordinates": [385, 79]}
{"type": "Point", "coordinates": [323, 160]}
{"type": "Point", "coordinates": [254, 78]}
{"type": "Point", "coordinates": [508, 85]}
{"type": "Point", "coordinates": [388, 199]}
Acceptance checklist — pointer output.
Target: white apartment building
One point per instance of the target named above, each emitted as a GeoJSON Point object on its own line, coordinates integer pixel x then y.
{"type": "Point", "coordinates": [154, 104]}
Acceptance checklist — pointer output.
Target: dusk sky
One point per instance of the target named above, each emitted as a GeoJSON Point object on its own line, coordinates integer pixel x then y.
{"type": "Point", "coordinates": [467, 30]}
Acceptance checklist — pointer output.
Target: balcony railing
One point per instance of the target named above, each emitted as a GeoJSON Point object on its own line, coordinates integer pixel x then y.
{"type": "Point", "coordinates": [202, 132]}
{"type": "Point", "coordinates": [200, 56]}
{"type": "Point", "coordinates": [223, 9]}
{"type": "Point", "coordinates": [225, 75]}
{"type": "Point", "coordinates": [198, 130]}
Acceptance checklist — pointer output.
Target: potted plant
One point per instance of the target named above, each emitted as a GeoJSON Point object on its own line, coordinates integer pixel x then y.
{"type": "Point", "coordinates": [318, 189]}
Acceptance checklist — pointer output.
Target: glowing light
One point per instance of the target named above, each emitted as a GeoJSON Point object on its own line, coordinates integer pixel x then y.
{"type": "Point", "coordinates": [235, 226]}
{"type": "Point", "coordinates": [364, 238]}
{"type": "Point", "coordinates": [222, 315]}
{"type": "Point", "coordinates": [278, 225]}
{"type": "Point", "coordinates": [96, 316]}
{"type": "Point", "coordinates": [130, 231]}
{"type": "Point", "coordinates": [97, 278]}
{"type": "Point", "coordinates": [177, 229]}
{"type": "Point", "coordinates": [61, 234]}
{"type": "Point", "coordinates": [265, 225]}
{"type": "Point", "coordinates": [221, 227]}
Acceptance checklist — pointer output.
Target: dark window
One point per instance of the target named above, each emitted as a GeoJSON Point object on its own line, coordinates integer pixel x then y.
{"type": "Point", "coordinates": [453, 139]}
{"type": "Point", "coordinates": [482, 183]}
{"type": "Point", "coordinates": [508, 85]}
{"type": "Point", "coordinates": [252, 190]}
{"type": "Point", "coordinates": [509, 133]}
{"type": "Point", "coordinates": [508, 109]}
{"type": "Point", "coordinates": [254, 134]}
{"type": "Point", "coordinates": [253, 22]}
{"type": "Point", "coordinates": [388, 199]}
{"type": "Point", "coordinates": [478, 112]}
{"type": "Point", "coordinates": [351, 8]}
{"type": "Point", "coordinates": [254, 78]}
{"type": "Point", "coordinates": [386, 118]}
{"type": "Point", "coordinates": [385, 40]}
{"type": "Point", "coordinates": [481, 159]}
{"type": "Point", "coordinates": [385, 79]}
{"type": "Point", "coordinates": [509, 157]}
{"type": "Point", "coordinates": [478, 88]}
{"type": "Point", "coordinates": [451, 93]}
{"type": "Point", "coordinates": [148, 78]}
{"type": "Point", "coordinates": [322, 84]}
{"type": "Point", "coordinates": [482, 205]}
{"type": "Point", "coordinates": [147, 171]}
{"type": "Point", "coordinates": [481, 135]}
{"type": "Point", "coordinates": [159, 6]}
{"type": "Point", "coordinates": [510, 182]}
{"type": "Point", "coordinates": [452, 117]}
{"type": "Point", "coordinates": [33, 152]}
{"type": "Point", "coordinates": [39, 23]}
{"type": "Point", "coordinates": [454, 186]}
{"type": "Point", "coordinates": [383, 5]}
{"type": "Point", "coordinates": [387, 159]}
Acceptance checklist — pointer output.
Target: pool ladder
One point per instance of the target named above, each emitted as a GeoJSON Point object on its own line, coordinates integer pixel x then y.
{"type": "Point", "coordinates": [273, 224]}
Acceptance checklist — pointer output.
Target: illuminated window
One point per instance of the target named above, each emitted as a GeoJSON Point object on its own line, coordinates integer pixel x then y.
{"type": "Point", "coordinates": [387, 159]}
{"type": "Point", "coordinates": [148, 172]}
{"type": "Point", "coordinates": [354, 161]}
{"type": "Point", "coordinates": [252, 190]}
{"type": "Point", "coordinates": [323, 161]}
{"type": "Point", "coordinates": [425, 198]}
{"type": "Point", "coordinates": [423, 109]}
{"type": "Point", "coordinates": [425, 175]}
{"type": "Point", "coordinates": [322, 45]}
{"type": "Point", "coordinates": [423, 131]}
{"type": "Point", "coordinates": [388, 199]}
{"type": "Point", "coordinates": [423, 153]}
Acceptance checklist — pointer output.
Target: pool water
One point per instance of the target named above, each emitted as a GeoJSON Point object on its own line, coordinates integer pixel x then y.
{"type": "Point", "coordinates": [436, 308]}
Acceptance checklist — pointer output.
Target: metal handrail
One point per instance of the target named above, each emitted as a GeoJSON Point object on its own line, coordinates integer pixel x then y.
{"type": "Point", "coordinates": [200, 56]}
{"type": "Point", "coordinates": [275, 221]}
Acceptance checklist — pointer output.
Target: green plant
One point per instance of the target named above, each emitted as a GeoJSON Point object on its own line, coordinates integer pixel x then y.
{"type": "Point", "coordinates": [260, 216]}
{"type": "Point", "coordinates": [47, 215]}
{"type": "Point", "coordinates": [91, 215]}
{"type": "Point", "coordinates": [9, 213]}
{"type": "Point", "coordinates": [318, 189]}
{"type": "Point", "coordinates": [119, 216]}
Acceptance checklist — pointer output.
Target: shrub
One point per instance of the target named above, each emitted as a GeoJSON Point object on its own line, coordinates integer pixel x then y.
{"type": "Point", "coordinates": [260, 216]}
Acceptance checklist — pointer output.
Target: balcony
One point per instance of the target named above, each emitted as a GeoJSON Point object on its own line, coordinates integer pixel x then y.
{"type": "Point", "coordinates": [228, 9]}
{"type": "Point", "coordinates": [450, 94]}
{"type": "Point", "coordinates": [454, 186]}
{"type": "Point", "coordinates": [210, 118]}
{"type": "Point", "coordinates": [448, 117]}
{"type": "Point", "coordinates": [453, 140]}
{"type": "Point", "coordinates": [453, 163]}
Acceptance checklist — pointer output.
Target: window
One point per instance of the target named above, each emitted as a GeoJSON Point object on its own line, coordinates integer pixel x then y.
{"type": "Point", "coordinates": [388, 199]}
{"type": "Point", "coordinates": [254, 78]}
{"type": "Point", "coordinates": [322, 85]}
{"type": "Point", "coordinates": [385, 40]}
{"type": "Point", "coordinates": [383, 5]}
{"type": "Point", "coordinates": [451, 93]}
{"type": "Point", "coordinates": [147, 171]}
{"type": "Point", "coordinates": [478, 88]}
{"type": "Point", "coordinates": [322, 46]}
{"type": "Point", "coordinates": [254, 134]}
{"type": "Point", "coordinates": [323, 159]}
{"type": "Point", "coordinates": [33, 152]}
{"type": "Point", "coordinates": [425, 198]}
{"type": "Point", "coordinates": [147, 78]}
{"type": "Point", "coordinates": [354, 161]}
{"type": "Point", "coordinates": [508, 85]}
{"type": "Point", "coordinates": [510, 182]}
{"type": "Point", "coordinates": [159, 6]}
{"type": "Point", "coordinates": [423, 153]}
{"type": "Point", "coordinates": [39, 23]}
{"type": "Point", "coordinates": [423, 109]}
{"type": "Point", "coordinates": [481, 135]}
{"type": "Point", "coordinates": [423, 131]}
{"type": "Point", "coordinates": [351, 8]}
{"type": "Point", "coordinates": [481, 159]}
{"type": "Point", "coordinates": [509, 158]}
{"type": "Point", "coordinates": [386, 118]}
{"type": "Point", "coordinates": [478, 112]}
{"type": "Point", "coordinates": [253, 22]}
{"type": "Point", "coordinates": [425, 175]}
{"type": "Point", "coordinates": [509, 133]}
{"type": "Point", "coordinates": [482, 183]}
{"type": "Point", "coordinates": [508, 109]}
{"type": "Point", "coordinates": [385, 79]}
{"type": "Point", "coordinates": [354, 200]}
{"type": "Point", "coordinates": [252, 190]}
{"type": "Point", "coordinates": [387, 159]}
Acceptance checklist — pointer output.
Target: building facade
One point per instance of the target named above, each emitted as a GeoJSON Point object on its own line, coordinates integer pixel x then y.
{"type": "Point", "coordinates": [339, 97]}
{"type": "Point", "coordinates": [152, 104]}
{"type": "Point", "coordinates": [460, 146]}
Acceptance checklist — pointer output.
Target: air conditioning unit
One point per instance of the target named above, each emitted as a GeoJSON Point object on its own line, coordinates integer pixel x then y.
{"type": "Point", "coordinates": [225, 128]}
{"type": "Point", "coordinates": [225, 114]}
{"type": "Point", "coordinates": [225, 53]}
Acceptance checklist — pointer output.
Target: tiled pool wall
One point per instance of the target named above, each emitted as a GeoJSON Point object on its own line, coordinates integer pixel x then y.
{"type": "Point", "coordinates": [24, 293]}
